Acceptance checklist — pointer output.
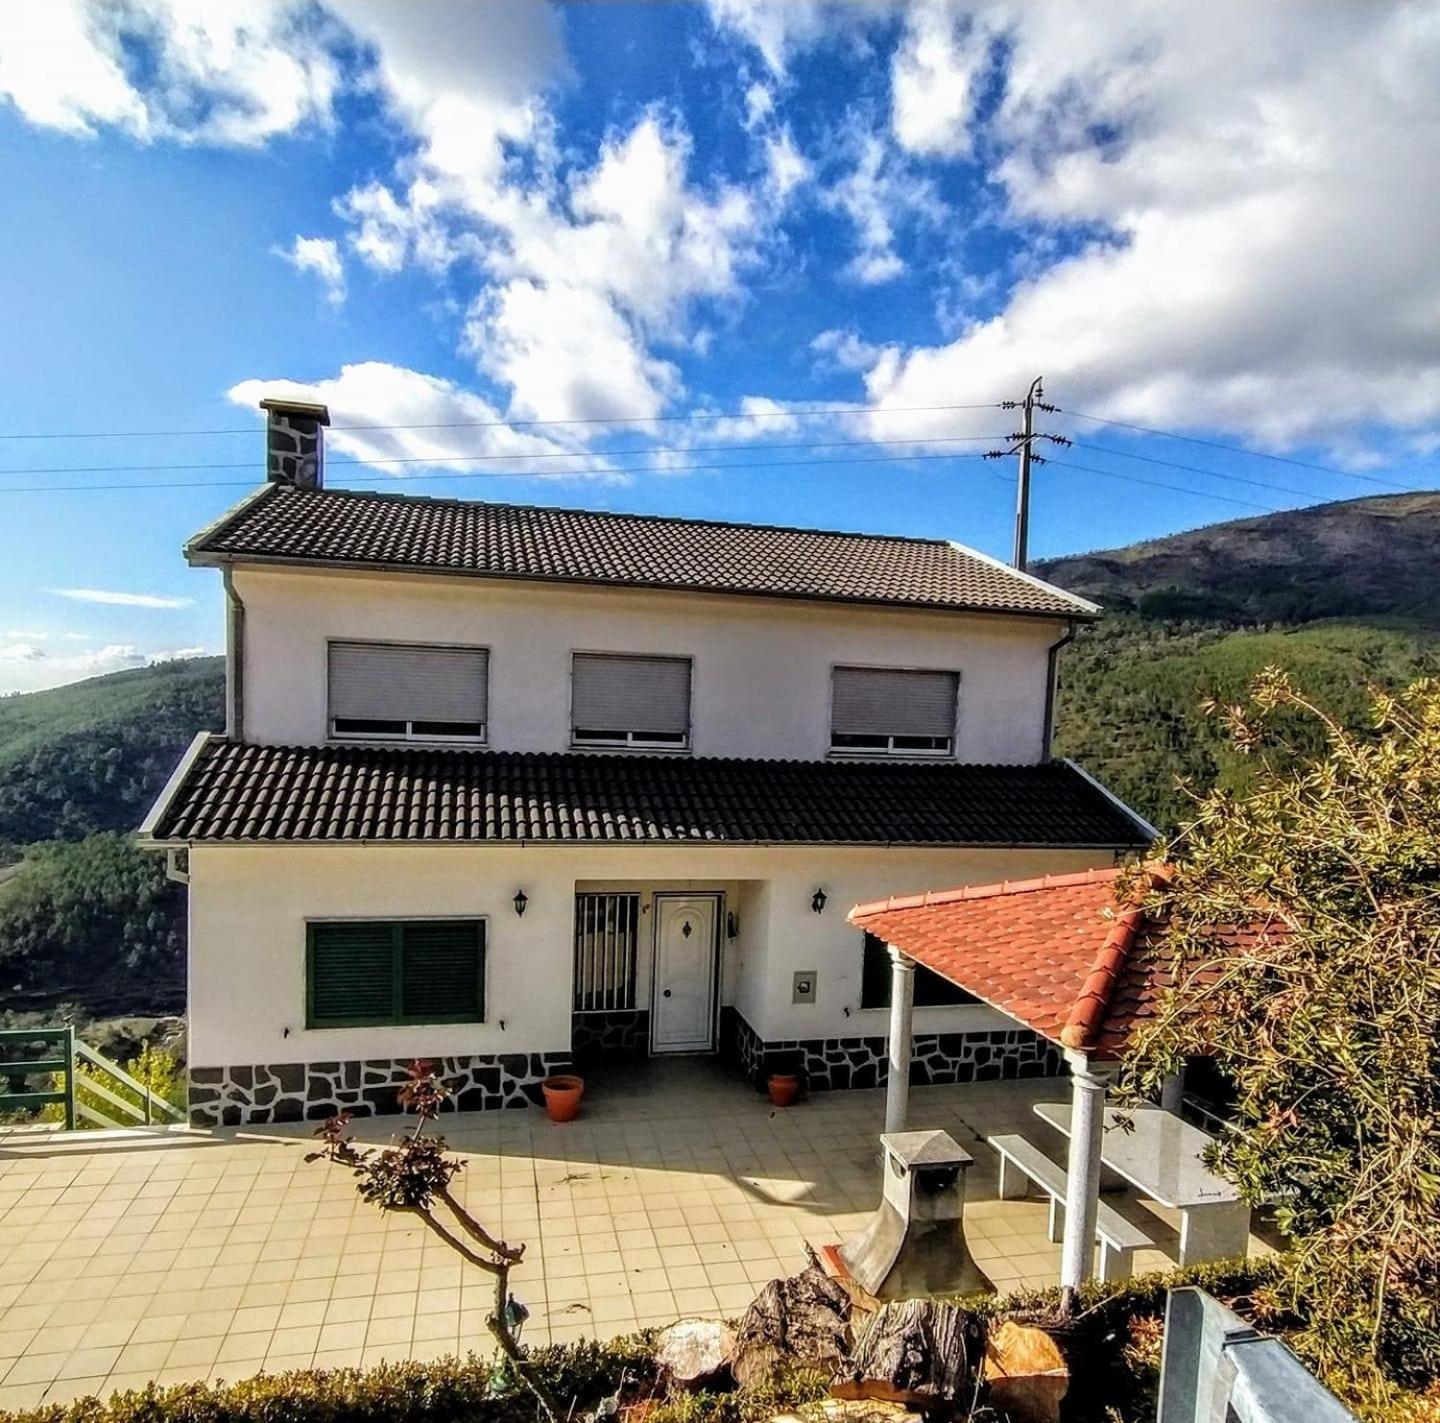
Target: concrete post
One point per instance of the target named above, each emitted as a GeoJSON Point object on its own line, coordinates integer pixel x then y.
{"type": "Point", "coordinates": [1172, 1093]}
{"type": "Point", "coordinates": [1082, 1175]}
{"type": "Point", "coordinates": [902, 1045]}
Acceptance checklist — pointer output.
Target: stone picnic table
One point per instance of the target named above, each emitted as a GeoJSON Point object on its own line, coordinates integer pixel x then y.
{"type": "Point", "coordinates": [1163, 1157]}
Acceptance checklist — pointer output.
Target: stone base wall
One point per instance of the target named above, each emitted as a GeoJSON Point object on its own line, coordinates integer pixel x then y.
{"type": "Point", "coordinates": [613, 1036]}
{"type": "Point", "coordinates": [835, 1064]}
{"type": "Point", "coordinates": [741, 1046]}
{"type": "Point", "coordinates": [300, 1091]}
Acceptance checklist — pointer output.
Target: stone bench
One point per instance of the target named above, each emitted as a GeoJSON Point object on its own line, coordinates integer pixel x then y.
{"type": "Point", "coordinates": [1022, 1162]}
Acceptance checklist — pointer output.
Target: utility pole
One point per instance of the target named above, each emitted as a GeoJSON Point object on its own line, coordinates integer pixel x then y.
{"type": "Point", "coordinates": [1023, 442]}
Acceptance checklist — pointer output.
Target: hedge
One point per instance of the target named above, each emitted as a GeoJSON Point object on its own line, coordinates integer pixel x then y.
{"type": "Point", "coordinates": [472, 1390]}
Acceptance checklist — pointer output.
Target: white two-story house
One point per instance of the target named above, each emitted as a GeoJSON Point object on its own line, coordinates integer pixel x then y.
{"type": "Point", "coordinates": [520, 788]}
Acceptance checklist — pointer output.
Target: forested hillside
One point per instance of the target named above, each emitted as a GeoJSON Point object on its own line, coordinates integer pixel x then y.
{"type": "Point", "coordinates": [93, 755]}
{"type": "Point", "coordinates": [85, 918]}
{"type": "Point", "coordinates": [1132, 693]}
{"type": "Point", "coordinates": [1344, 596]}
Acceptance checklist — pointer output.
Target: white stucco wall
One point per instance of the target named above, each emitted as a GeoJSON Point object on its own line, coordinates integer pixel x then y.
{"type": "Point", "coordinates": [761, 666]}
{"type": "Point", "coordinates": [249, 905]}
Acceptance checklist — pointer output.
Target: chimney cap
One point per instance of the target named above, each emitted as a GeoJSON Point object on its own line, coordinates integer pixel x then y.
{"type": "Point", "coordinates": [308, 410]}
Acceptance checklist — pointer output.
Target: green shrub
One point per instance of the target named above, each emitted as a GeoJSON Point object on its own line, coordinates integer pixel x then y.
{"type": "Point", "coordinates": [441, 1391]}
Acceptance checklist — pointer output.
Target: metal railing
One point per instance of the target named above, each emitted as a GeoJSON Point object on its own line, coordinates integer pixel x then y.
{"type": "Point", "coordinates": [87, 1085]}
{"type": "Point", "coordinates": [1215, 1368]}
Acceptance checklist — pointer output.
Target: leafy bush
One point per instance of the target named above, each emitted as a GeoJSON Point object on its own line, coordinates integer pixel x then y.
{"type": "Point", "coordinates": [443, 1391]}
{"type": "Point", "coordinates": [1303, 934]}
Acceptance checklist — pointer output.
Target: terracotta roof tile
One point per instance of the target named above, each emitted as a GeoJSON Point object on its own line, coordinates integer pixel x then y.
{"type": "Point", "coordinates": [360, 528]}
{"type": "Point", "coordinates": [1057, 954]}
{"type": "Point", "coordinates": [232, 791]}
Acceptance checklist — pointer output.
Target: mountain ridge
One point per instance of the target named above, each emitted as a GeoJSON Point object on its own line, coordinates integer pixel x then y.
{"type": "Point", "coordinates": [1367, 557]}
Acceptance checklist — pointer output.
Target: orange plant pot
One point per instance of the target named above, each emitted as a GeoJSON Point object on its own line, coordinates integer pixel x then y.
{"type": "Point", "coordinates": [562, 1097]}
{"type": "Point", "coordinates": [783, 1088]}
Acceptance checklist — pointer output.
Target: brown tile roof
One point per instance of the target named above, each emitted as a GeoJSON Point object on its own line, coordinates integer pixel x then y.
{"type": "Point", "coordinates": [1057, 954]}
{"type": "Point", "coordinates": [359, 529]}
{"type": "Point", "coordinates": [229, 791]}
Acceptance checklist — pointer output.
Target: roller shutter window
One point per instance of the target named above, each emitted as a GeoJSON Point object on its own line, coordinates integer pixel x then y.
{"type": "Point", "coordinates": [365, 974]}
{"type": "Point", "coordinates": [884, 711]}
{"type": "Point", "coordinates": [385, 691]}
{"type": "Point", "coordinates": [625, 700]}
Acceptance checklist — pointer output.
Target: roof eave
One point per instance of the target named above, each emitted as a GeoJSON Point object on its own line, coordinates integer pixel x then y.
{"type": "Point", "coordinates": [193, 549]}
{"type": "Point", "coordinates": [145, 837]}
{"type": "Point", "coordinates": [198, 557]}
{"type": "Point", "coordinates": [648, 843]}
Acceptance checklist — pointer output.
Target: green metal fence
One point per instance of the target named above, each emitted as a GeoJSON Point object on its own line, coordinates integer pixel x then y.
{"type": "Point", "coordinates": [87, 1085]}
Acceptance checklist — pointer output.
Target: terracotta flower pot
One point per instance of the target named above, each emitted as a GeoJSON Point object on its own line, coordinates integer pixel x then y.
{"type": "Point", "coordinates": [783, 1088]}
{"type": "Point", "coordinates": [562, 1097]}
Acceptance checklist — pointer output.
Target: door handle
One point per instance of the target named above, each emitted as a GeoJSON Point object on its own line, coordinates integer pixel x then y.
{"type": "Point", "coordinates": [666, 993]}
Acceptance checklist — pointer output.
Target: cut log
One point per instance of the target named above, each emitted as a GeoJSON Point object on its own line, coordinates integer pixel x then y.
{"type": "Point", "coordinates": [1025, 1373]}
{"type": "Point", "coordinates": [840, 1410]}
{"type": "Point", "coordinates": [695, 1353]}
{"type": "Point", "coordinates": [803, 1320]}
{"type": "Point", "coordinates": [915, 1351]}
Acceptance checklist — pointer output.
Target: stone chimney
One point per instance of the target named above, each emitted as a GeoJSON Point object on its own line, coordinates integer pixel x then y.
{"type": "Point", "coordinates": [295, 443]}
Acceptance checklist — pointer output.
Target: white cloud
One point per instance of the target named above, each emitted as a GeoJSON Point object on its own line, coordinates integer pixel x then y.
{"type": "Point", "coordinates": [177, 654]}
{"type": "Point", "coordinates": [119, 599]}
{"type": "Point", "coordinates": [586, 265]}
{"type": "Point", "coordinates": [878, 195]}
{"type": "Point", "coordinates": [27, 635]}
{"type": "Point", "coordinates": [30, 669]}
{"type": "Point", "coordinates": [759, 418]}
{"type": "Point", "coordinates": [231, 72]}
{"type": "Point", "coordinates": [433, 423]}
{"type": "Point", "coordinates": [583, 264]}
{"type": "Point", "coordinates": [26, 668]}
{"type": "Point", "coordinates": [320, 255]}
{"type": "Point", "coordinates": [844, 349]}
{"type": "Point", "coordinates": [21, 652]}
{"type": "Point", "coordinates": [1268, 259]}
{"type": "Point", "coordinates": [937, 65]}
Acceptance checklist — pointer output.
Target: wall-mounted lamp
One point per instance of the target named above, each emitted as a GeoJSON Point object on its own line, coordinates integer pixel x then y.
{"type": "Point", "coordinates": [520, 901]}
{"type": "Point", "coordinates": [817, 901]}
{"type": "Point", "coordinates": [732, 925]}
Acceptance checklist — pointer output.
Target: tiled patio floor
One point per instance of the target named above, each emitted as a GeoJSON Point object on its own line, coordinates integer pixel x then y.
{"type": "Point", "coordinates": [678, 1193]}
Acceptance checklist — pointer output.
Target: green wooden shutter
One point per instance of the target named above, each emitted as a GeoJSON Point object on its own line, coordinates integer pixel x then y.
{"type": "Point", "coordinates": [351, 975]}
{"type": "Point", "coordinates": [442, 975]}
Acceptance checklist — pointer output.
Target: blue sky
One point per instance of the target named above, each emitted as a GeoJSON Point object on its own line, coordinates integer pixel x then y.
{"type": "Point", "coordinates": [677, 237]}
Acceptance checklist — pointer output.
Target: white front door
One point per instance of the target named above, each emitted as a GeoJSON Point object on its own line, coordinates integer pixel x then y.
{"type": "Point", "coordinates": [683, 1009]}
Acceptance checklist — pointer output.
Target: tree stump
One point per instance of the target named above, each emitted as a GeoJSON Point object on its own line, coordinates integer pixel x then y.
{"type": "Point", "coordinates": [804, 1320]}
{"type": "Point", "coordinates": [1025, 1372]}
{"type": "Point", "coordinates": [917, 1352]}
{"type": "Point", "coordinates": [695, 1353]}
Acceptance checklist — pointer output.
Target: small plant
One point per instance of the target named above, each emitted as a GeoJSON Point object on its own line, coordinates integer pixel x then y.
{"type": "Point", "coordinates": [414, 1176]}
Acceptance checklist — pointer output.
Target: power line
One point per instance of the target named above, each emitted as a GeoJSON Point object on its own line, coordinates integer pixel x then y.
{"type": "Point", "coordinates": [1196, 469]}
{"type": "Point", "coordinates": [599, 472]}
{"type": "Point", "coordinates": [538, 455]}
{"type": "Point", "coordinates": [790, 414]}
{"type": "Point", "coordinates": [1157, 484]}
{"type": "Point", "coordinates": [1236, 449]}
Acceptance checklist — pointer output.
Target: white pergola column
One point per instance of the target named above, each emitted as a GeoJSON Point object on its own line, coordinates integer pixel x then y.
{"type": "Point", "coordinates": [902, 1040]}
{"type": "Point", "coordinates": [1082, 1173]}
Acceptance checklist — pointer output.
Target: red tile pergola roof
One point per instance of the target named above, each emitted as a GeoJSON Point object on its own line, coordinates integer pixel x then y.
{"type": "Point", "coordinates": [1057, 954]}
